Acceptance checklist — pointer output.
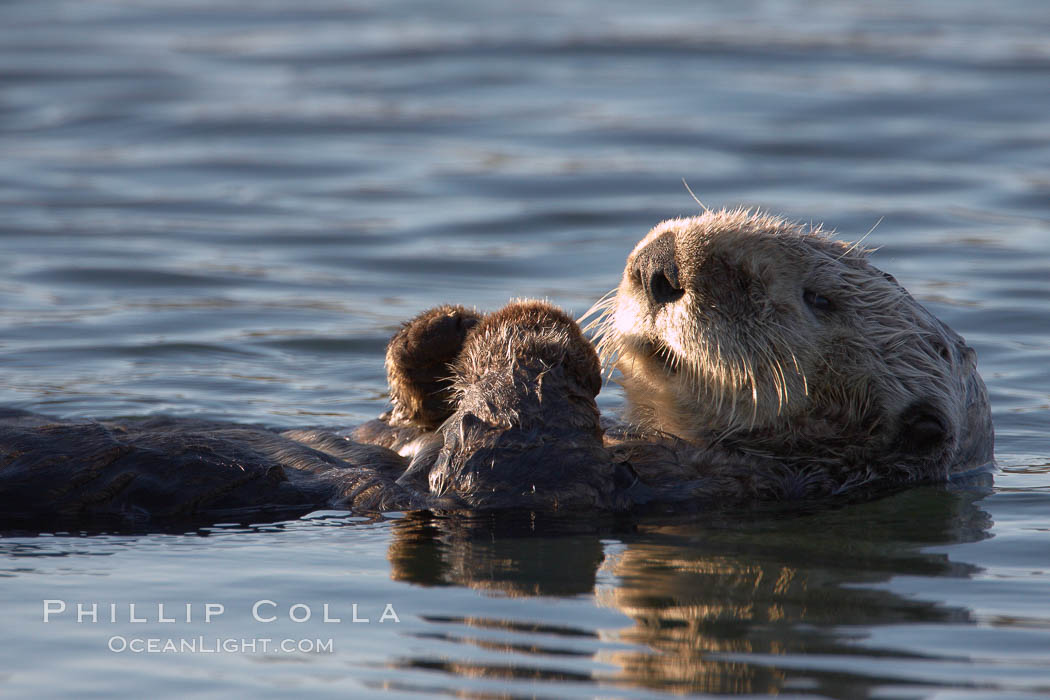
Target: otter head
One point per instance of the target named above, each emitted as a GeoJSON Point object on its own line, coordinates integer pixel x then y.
{"type": "Point", "coordinates": [748, 329]}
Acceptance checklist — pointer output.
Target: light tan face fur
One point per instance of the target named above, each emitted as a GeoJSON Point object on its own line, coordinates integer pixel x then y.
{"type": "Point", "coordinates": [766, 328]}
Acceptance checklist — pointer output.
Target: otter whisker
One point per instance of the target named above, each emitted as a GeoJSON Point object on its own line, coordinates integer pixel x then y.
{"type": "Point", "coordinates": [754, 393]}
{"type": "Point", "coordinates": [599, 310]}
{"type": "Point", "coordinates": [695, 198]}
{"type": "Point", "coordinates": [857, 243]}
{"type": "Point", "coordinates": [779, 382]}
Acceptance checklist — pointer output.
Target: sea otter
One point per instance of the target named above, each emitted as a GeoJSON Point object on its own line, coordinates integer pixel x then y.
{"type": "Point", "coordinates": [761, 361]}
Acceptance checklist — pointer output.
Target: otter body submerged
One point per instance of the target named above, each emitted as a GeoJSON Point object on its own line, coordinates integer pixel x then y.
{"type": "Point", "coordinates": [761, 361]}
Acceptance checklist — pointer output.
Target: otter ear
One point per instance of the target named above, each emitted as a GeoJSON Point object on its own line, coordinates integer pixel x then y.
{"type": "Point", "coordinates": [418, 360]}
{"type": "Point", "coordinates": [922, 428]}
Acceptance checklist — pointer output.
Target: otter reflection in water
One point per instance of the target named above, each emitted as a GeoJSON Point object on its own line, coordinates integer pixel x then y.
{"type": "Point", "coordinates": [761, 361]}
{"type": "Point", "coordinates": [707, 603]}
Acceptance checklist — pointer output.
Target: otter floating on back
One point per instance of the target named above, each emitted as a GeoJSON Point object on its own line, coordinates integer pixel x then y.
{"type": "Point", "coordinates": [761, 361]}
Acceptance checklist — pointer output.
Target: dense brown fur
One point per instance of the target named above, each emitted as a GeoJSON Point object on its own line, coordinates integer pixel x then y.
{"type": "Point", "coordinates": [526, 431]}
{"type": "Point", "coordinates": [747, 336]}
{"type": "Point", "coordinates": [521, 430]}
{"type": "Point", "coordinates": [418, 362]}
{"type": "Point", "coordinates": [145, 472]}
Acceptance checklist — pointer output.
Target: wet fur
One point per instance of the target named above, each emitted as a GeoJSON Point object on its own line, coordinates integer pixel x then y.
{"type": "Point", "coordinates": [526, 431]}
{"type": "Point", "coordinates": [738, 393]}
{"type": "Point", "coordinates": [519, 428]}
{"type": "Point", "coordinates": [874, 388]}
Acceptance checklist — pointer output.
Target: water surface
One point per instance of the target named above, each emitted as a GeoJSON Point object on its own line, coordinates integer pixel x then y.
{"type": "Point", "coordinates": [223, 209]}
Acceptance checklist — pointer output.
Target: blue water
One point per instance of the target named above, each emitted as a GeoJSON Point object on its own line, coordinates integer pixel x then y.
{"type": "Point", "coordinates": [225, 208]}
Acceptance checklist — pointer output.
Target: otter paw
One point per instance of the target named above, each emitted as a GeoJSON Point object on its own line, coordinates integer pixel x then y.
{"type": "Point", "coordinates": [418, 360]}
{"type": "Point", "coordinates": [530, 332]}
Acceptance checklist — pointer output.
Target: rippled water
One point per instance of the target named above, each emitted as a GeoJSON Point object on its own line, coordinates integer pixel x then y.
{"type": "Point", "coordinates": [224, 208]}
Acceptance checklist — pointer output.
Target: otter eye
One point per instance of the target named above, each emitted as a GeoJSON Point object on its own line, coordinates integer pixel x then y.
{"type": "Point", "coordinates": [818, 302]}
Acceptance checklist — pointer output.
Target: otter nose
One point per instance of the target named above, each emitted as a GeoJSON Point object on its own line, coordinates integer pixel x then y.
{"type": "Point", "coordinates": [655, 269]}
